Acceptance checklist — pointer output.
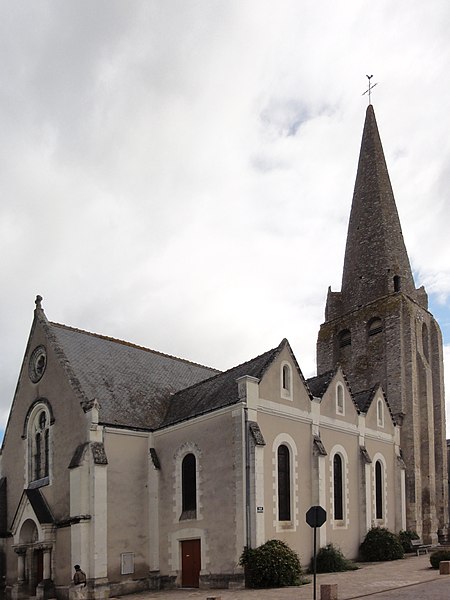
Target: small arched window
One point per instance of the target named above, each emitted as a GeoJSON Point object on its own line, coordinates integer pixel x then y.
{"type": "Point", "coordinates": [284, 483]}
{"type": "Point", "coordinates": [286, 380]}
{"type": "Point", "coordinates": [345, 338]}
{"type": "Point", "coordinates": [397, 283]}
{"type": "Point", "coordinates": [374, 326]}
{"type": "Point", "coordinates": [338, 488]}
{"type": "Point", "coordinates": [340, 410]}
{"type": "Point", "coordinates": [380, 413]}
{"type": "Point", "coordinates": [189, 486]}
{"type": "Point", "coordinates": [378, 490]}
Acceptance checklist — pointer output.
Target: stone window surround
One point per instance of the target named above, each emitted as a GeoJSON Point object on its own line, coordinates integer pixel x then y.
{"type": "Point", "coordinates": [344, 522]}
{"type": "Point", "coordinates": [286, 380]}
{"type": "Point", "coordinates": [284, 439]}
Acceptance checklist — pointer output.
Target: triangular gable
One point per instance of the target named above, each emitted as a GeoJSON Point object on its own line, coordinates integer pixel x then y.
{"type": "Point", "coordinates": [286, 344]}
{"type": "Point", "coordinates": [324, 388]}
{"type": "Point", "coordinates": [368, 405]}
{"type": "Point", "coordinates": [38, 312]}
{"type": "Point", "coordinates": [32, 505]}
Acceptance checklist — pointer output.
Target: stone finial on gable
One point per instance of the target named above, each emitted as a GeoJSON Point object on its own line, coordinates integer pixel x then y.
{"type": "Point", "coordinates": [38, 302]}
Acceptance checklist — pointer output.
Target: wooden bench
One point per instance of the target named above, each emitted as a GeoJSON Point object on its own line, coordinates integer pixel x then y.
{"type": "Point", "coordinates": [419, 546]}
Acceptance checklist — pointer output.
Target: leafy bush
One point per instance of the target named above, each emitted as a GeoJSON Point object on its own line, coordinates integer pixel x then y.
{"type": "Point", "coordinates": [381, 544]}
{"type": "Point", "coordinates": [405, 538]}
{"type": "Point", "coordinates": [436, 557]}
{"type": "Point", "coordinates": [330, 560]}
{"type": "Point", "coordinates": [273, 564]}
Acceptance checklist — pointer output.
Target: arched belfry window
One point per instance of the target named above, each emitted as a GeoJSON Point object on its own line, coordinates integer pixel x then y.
{"type": "Point", "coordinates": [338, 488]}
{"type": "Point", "coordinates": [379, 512]}
{"type": "Point", "coordinates": [284, 483]}
{"type": "Point", "coordinates": [374, 326]}
{"type": "Point", "coordinates": [189, 486]}
{"type": "Point", "coordinates": [345, 338]}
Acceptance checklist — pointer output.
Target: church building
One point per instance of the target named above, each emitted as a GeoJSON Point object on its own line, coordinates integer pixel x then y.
{"type": "Point", "coordinates": [151, 471]}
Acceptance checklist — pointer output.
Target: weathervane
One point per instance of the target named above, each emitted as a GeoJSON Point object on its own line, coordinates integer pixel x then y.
{"type": "Point", "coordinates": [369, 77]}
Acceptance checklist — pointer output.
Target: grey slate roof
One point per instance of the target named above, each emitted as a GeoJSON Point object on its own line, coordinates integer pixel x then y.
{"type": "Point", "coordinates": [318, 385]}
{"type": "Point", "coordinates": [217, 392]}
{"type": "Point", "coordinates": [363, 399]}
{"type": "Point", "coordinates": [132, 384]}
{"type": "Point", "coordinates": [40, 506]}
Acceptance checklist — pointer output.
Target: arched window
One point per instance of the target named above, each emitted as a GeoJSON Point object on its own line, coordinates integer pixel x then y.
{"type": "Point", "coordinates": [374, 326]}
{"type": "Point", "coordinates": [340, 399]}
{"type": "Point", "coordinates": [378, 490]}
{"type": "Point", "coordinates": [286, 380]}
{"type": "Point", "coordinates": [284, 484]}
{"type": "Point", "coordinates": [38, 434]}
{"type": "Point", "coordinates": [189, 486]}
{"type": "Point", "coordinates": [380, 413]}
{"type": "Point", "coordinates": [397, 283]}
{"type": "Point", "coordinates": [338, 488]}
{"type": "Point", "coordinates": [345, 338]}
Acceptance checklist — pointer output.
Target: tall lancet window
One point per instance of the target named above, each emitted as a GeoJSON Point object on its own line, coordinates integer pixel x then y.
{"type": "Point", "coordinates": [189, 486]}
{"type": "Point", "coordinates": [378, 490]}
{"type": "Point", "coordinates": [284, 483]}
{"type": "Point", "coordinates": [338, 489]}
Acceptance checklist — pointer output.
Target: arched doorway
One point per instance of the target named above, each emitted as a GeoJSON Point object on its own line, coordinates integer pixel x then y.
{"type": "Point", "coordinates": [33, 556]}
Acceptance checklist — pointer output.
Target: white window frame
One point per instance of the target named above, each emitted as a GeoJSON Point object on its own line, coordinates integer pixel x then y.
{"type": "Point", "coordinates": [286, 392]}
{"type": "Point", "coordinates": [380, 412]}
{"type": "Point", "coordinates": [340, 395]}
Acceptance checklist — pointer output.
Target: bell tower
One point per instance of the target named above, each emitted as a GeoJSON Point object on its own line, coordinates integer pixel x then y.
{"type": "Point", "coordinates": [379, 329]}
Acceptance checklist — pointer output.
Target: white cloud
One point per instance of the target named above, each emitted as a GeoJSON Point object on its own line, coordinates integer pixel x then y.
{"type": "Point", "coordinates": [180, 174]}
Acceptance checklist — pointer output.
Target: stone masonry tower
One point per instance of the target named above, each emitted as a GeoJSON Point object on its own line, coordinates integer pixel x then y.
{"type": "Point", "coordinates": [380, 330]}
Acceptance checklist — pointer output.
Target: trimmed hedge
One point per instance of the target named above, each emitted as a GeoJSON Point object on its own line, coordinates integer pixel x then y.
{"type": "Point", "coordinates": [331, 560]}
{"type": "Point", "coordinates": [381, 544]}
{"type": "Point", "coordinates": [405, 538]}
{"type": "Point", "coordinates": [273, 564]}
{"type": "Point", "coordinates": [436, 557]}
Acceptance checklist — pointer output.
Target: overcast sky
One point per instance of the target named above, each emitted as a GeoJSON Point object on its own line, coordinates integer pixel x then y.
{"type": "Point", "coordinates": [179, 174]}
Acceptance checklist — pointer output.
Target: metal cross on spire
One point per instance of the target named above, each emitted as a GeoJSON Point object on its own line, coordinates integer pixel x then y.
{"type": "Point", "coordinates": [371, 86]}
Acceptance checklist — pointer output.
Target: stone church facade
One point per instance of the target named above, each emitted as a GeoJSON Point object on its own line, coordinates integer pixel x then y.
{"type": "Point", "coordinates": [152, 471]}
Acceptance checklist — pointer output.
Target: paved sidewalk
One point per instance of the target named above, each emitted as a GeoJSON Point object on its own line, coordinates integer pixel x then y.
{"type": "Point", "coordinates": [405, 575]}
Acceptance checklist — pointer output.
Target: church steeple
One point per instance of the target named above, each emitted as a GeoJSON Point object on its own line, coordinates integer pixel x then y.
{"type": "Point", "coordinates": [382, 337]}
{"type": "Point", "coordinates": [376, 262]}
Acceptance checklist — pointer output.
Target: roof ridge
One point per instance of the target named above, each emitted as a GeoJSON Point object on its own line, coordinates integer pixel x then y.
{"type": "Point", "coordinates": [131, 345]}
{"type": "Point", "coordinates": [209, 379]}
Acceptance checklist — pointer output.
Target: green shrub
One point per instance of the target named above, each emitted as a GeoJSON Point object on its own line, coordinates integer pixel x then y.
{"type": "Point", "coordinates": [331, 560]}
{"type": "Point", "coordinates": [405, 538]}
{"type": "Point", "coordinates": [436, 557]}
{"type": "Point", "coordinates": [381, 544]}
{"type": "Point", "coordinates": [273, 564]}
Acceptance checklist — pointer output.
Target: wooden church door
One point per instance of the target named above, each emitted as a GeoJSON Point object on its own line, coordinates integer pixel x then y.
{"type": "Point", "coordinates": [190, 563]}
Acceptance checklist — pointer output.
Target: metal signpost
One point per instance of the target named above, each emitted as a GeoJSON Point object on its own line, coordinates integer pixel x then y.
{"type": "Point", "coordinates": [315, 517]}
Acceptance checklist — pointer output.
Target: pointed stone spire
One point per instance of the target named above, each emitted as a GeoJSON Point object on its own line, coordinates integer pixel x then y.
{"type": "Point", "coordinates": [376, 262]}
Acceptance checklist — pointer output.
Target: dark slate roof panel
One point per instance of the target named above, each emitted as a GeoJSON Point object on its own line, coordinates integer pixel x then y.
{"type": "Point", "coordinates": [216, 392]}
{"type": "Point", "coordinates": [318, 385]}
{"type": "Point", "coordinates": [363, 399]}
{"type": "Point", "coordinates": [132, 384]}
{"type": "Point", "coordinates": [40, 507]}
